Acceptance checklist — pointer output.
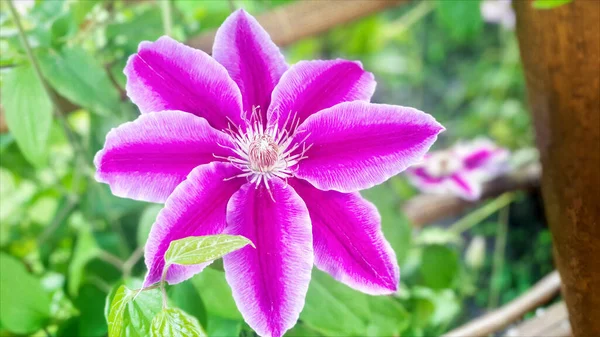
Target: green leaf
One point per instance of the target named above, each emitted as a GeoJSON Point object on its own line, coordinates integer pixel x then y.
{"type": "Point", "coordinates": [439, 266]}
{"type": "Point", "coordinates": [549, 4]}
{"type": "Point", "coordinates": [185, 296]}
{"type": "Point", "coordinates": [24, 306]}
{"type": "Point", "coordinates": [223, 327]}
{"type": "Point", "coordinates": [138, 316]}
{"type": "Point", "coordinates": [462, 19]}
{"type": "Point", "coordinates": [200, 249]}
{"type": "Point", "coordinates": [215, 292]}
{"type": "Point", "coordinates": [90, 303]}
{"type": "Point", "coordinates": [28, 112]}
{"type": "Point", "coordinates": [117, 309]}
{"type": "Point", "coordinates": [147, 219]}
{"type": "Point", "coordinates": [329, 303]}
{"type": "Point", "coordinates": [77, 76]}
{"type": "Point", "coordinates": [389, 318]}
{"type": "Point", "coordinates": [173, 322]}
{"type": "Point", "coordinates": [85, 250]}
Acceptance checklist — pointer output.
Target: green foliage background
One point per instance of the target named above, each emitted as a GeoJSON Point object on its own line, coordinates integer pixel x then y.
{"type": "Point", "coordinates": [67, 244]}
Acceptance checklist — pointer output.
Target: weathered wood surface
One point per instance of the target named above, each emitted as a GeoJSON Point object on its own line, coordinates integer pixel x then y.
{"type": "Point", "coordinates": [560, 49]}
{"type": "Point", "coordinates": [539, 294]}
{"type": "Point", "coordinates": [426, 209]}
{"type": "Point", "coordinates": [550, 322]}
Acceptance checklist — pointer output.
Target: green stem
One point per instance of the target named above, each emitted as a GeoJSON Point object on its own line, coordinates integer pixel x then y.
{"type": "Point", "coordinates": [413, 16]}
{"type": "Point", "coordinates": [131, 261]}
{"type": "Point", "coordinates": [111, 259]}
{"type": "Point", "coordinates": [163, 280]}
{"type": "Point", "coordinates": [482, 213]}
{"type": "Point", "coordinates": [498, 262]}
{"type": "Point", "coordinates": [167, 16]}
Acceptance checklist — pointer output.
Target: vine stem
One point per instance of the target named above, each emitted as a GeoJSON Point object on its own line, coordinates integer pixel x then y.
{"type": "Point", "coordinates": [498, 259]}
{"type": "Point", "coordinates": [163, 280]}
{"type": "Point", "coordinates": [482, 213]}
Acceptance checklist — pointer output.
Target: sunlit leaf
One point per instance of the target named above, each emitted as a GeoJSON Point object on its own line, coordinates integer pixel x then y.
{"type": "Point", "coordinates": [24, 306]}
{"type": "Point", "coordinates": [173, 322]}
{"type": "Point", "coordinates": [200, 249]}
{"type": "Point", "coordinates": [28, 112]}
{"type": "Point", "coordinates": [117, 309]}
{"type": "Point", "coordinates": [185, 296]}
{"type": "Point", "coordinates": [549, 4]}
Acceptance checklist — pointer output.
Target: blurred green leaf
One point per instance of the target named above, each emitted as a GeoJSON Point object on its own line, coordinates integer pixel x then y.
{"type": "Point", "coordinates": [85, 250]}
{"type": "Point", "coordinates": [216, 294]}
{"type": "Point", "coordinates": [201, 249]}
{"type": "Point", "coordinates": [28, 112]}
{"type": "Point", "coordinates": [439, 266]}
{"type": "Point", "coordinates": [549, 4]}
{"type": "Point", "coordinates": [389, 318]}
{"type": "Point", "coordinates": [333, 308]}
{"type": "Point", "coordinates": [24, 306]}
{"type": "Point", "coordinates": [462, 19]}
{"type": "Point", "coordinates": [223, 327]}
{"type": "Point", "coordinates": [185, 296]}
{"type": "Point", "coordinates": [77, 76]}
{"type": "Point", "coordinates": [301, 330]}
{"type": "Point", "coordinates": [147, 219]}
{"type": "Point", "coordinates": [173, 322]}
{"type": "Point", "coordinates": [90, 304]}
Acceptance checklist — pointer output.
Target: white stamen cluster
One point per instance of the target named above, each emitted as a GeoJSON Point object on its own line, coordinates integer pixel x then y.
{"type": "Point", "coordinates": [265, 152]}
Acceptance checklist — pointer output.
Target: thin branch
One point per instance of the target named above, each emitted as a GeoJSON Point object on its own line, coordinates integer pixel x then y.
{"type": "Point", "coordinates": [111, 259]}
{"type": "Point", "coordinates": [542, 292]}
{"type": "Point", "coordinates": [167, 16]}
{"type": "Point", "coordinates": [499, 252]}
{"type": "Point", "coordinates": [482, 213]}
{"type": "Point", "coordinates": [133, 259]}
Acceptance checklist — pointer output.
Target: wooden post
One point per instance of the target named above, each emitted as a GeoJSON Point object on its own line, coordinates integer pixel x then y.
{"type": "Point", "coordinates": [560, 49]}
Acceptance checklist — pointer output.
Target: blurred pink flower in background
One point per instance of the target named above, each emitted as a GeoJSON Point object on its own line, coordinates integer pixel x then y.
{"type": "Point", "coordinates": [499, 12]}
{"type": "Point", "coordinates": [461, 169]}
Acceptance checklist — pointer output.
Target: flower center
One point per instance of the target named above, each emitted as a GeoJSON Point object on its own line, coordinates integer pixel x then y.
{"type": "Point", "coordinates": [265, 152]}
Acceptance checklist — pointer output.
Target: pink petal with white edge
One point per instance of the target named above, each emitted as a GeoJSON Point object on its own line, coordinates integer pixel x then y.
{"type": "Point", "coordinates": [197, 207]}
{"type": "Point", "coordinates": [254, 62]}
{"type": "Point", "coordinates": [168, 75]}
{"type": "Point", "coordinates": [147, 158]}
{"type": "Point", "coordinates": [348, 241]}
{"type": "Point", "coordinates": [311, 86]}
{"type": "Point", "coordinates": [358, 145]}
{"type": "Point", "coordinates": [269, 283]}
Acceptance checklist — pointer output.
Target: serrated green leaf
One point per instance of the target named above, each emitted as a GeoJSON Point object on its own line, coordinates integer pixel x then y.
{"type": "Point", "coordinates": [24, 306]}
{"type": "Point", "coordinates": [174, 322]}
{"type": "Point", "coordinates": [549, 4]}
{"type": "Point", "coordinates": [28, 112]}
{"type": "Point", "coordinates": [117, 309]}
{"type": "Point", "coordinates": [138, 316]}
{"type": "Point", "coordinates": [77, 76]}
{"type": "Point", "coordinates": [200, 249]}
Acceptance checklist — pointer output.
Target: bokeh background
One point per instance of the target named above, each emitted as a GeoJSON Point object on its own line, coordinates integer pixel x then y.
{"type": "Point", "coordinates": [66, 242]}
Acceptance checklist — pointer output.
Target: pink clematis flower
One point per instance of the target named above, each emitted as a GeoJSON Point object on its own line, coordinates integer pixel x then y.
{"type": "Point", "coordinates": [241, 143]}
{"type": "Point", "coordinates": [460, 170]}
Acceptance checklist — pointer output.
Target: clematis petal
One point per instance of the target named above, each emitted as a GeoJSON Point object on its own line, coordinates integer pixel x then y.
{"type": "Point", "coordinates": [465, 186]}
{"type": "Point", "coordinates": [168, 75]}
{"type": "Point", "coordinates": [147, 158]}
{"type": "Point", "coordinates": [348, 241]}
{"type": "Point", "coordinates": [196, 208]}
{"type": "Point", "coordinates": [269, 283]}
{"type": "Point", "coordinates": [311, 86]}
{"type": "Point", "coordinates": [357, 145]}
{"type": "Point", "coordinates": [254, 62]}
